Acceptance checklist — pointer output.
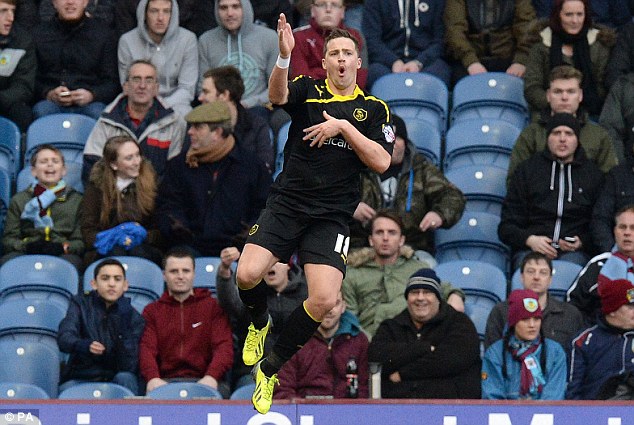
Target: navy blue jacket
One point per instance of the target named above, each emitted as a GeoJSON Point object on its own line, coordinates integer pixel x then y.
{"type": "Point", "coordinates": [118, 328]}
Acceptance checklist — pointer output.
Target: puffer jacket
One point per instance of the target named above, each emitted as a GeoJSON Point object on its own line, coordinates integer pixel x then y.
{"type": "Point", "coordinates": [617, 116]}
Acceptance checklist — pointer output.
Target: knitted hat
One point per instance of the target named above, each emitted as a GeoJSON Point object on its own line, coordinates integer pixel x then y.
{"type": "Point", "coordinates": [566, 119]}
{"type": "Point", "coordinates": [523, 304]}
{"type": "Point", "coordinates": [615, 293]}
{"type": "Point", "coordinates": [400, 129]}
{"type": "Point", "coordinates": [424, 279]}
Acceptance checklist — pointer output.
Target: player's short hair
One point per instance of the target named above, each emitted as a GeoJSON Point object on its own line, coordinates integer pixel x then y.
{"type": "Point", "coordinates": [340, 33]}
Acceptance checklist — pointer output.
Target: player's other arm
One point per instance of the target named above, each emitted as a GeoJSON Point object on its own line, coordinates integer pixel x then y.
{"type": "Point", "coordinates": [278, 81]}
{"type": "Point", "coordinates": [369, 152]}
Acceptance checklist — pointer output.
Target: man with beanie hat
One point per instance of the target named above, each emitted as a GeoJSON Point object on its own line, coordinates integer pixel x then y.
{"type": "Point", "coordinates": [524, 364]}
{"type": "Point", "coordinates": [416, 189]}
{"type": "Point", "coordinates": [212, 191]}
{"type": "Point", "coordinates": [550, 197]}
{"type": "Point", "coordinates": [429, 350]}
{"type": "Point", "coordinates": [604, 353]}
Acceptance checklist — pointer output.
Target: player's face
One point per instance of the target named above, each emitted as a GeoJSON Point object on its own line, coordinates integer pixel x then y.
{"type": "Point", "coordinates": [624, 233]}
{"type": "Point", "coordinates": [422, 304]}
{"type": "Point", "coordinates": [564, 95]}
{"type": "Point", "coordinates": [110, 283]}
{"type": "Point", "coordinates": [157, 16]}
{"type": "Point", "coordinates": [536, 276]}
{"type": "Point", "coordinates": [277, 276]}
{"type": "Point", "coordinates": [327, 13]}
{"type": "Point", "coordinates": [7, 15]}
{"type": "Point", "coordinates": [179, 275]}
{"type": "Point", "coordinates": [623, 317]}
{"type": "Point", "coordinates": [528, 329]}
{"type": "Point", "coordinates": [70, 10]}
{"type": "Point", "coordinates": [230, 13]}
{"type": "Point", "coordinates": [128, 163]}
{"type": "Point", "coordinates": [341, 63]}
{"type": "Point", "coordinates": [49, 168]}
{"type": "Point", "coordinates": [562, 143]}
{"type": "Point", "coordinates": [386, 238]}
{"type": "Point", "coordinates": [142, 85]}
{"type": "Point", "coordinates": [572, 16]}
{"type": "Point", "coordinates": [331, 319]}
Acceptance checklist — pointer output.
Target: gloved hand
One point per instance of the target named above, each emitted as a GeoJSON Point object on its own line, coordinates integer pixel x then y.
{"type": "Point", "coordinates": [45, 248]}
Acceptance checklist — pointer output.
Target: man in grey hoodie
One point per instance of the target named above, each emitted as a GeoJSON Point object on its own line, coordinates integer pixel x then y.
{"type": "Point", "coordinates": [172, 49]}
{"type": "Point", "coordinates": [239, 42]}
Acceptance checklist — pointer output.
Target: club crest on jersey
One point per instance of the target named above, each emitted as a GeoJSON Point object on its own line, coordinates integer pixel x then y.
{"type": "Point", "coordinates": [360, 114]}
{"type": "Point", "coordinates": [388, 132]}
{"type": "Point", "coordinates": [530, 304]}
{"type": "Point", "coordinates": [253, 229]}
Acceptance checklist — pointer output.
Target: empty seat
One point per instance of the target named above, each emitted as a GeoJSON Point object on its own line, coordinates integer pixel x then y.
{"type": "Point", "coordinates": [243, 393]}
{"type": "Point", "coordinates": [29, 363]}
{"type": "Point", "coordinates": [480, 141]}
{"type": "Point", "coordinates": [478, 309]}
{"type": "Point", "coordinates": [474, 237]}
{"type": "Point", "coordinates": [564, 273]}
{"type": "Point", "coordinates": [426, 138]}
{"type": "Point", "coordinates": [184, 391]}
{"type": "Point", "coordinates": [15, 390]}
{"type": "Point", "coordinates": [484, 186]}
{"type": "Point", "coordinates": [39, 276]}
{"type": "Point", "coordinates": [95, 391]}
{"type": "Point", "coordinates": [9, 147]}
{"type": "Point", "coordinates": [72, 178]}
{"type": "Point", "coordinates": [490, 95]}
{"type": "Point", "coordinates": [67, 132]}
{"type": "Point", "coordinates": [206, 270]}
{"type": "Point", "coordinates": [416, 96]}
{"type": "Point", "coordinates": [474, 278]}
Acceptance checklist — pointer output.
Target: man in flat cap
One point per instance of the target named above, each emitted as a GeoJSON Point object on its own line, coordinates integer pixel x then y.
{"type": "Point", "coordinates": [212, 191]}
{"type": "Point", "coordinates": [429, 350]}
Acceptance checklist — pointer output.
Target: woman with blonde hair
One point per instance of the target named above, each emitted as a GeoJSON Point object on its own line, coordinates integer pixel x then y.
{"type": "Point", "coordinates": [118, 207]}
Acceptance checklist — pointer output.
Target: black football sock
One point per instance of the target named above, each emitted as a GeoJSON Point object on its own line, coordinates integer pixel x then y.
{"type": "Point", "coordinates": [254, 300]}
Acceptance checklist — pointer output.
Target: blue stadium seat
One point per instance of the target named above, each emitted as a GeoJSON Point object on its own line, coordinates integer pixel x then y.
{"type": "Point", "coordinates": [243, 393]}
{"type": "Point", "coordinates": [282, 136]}
{"type": "Point", "coordinates": [95, 391]}
{"type": "Point", "coordinates": [29, 363]}
{"type": "Point", "coordinates": [490, 95]}
{"type": "Point", "coordinates": [564, 273]}
{"type": "Point", "coordinates": [39, 277]}
{"type": "Point", "coordinates": [19, 391]}
{"type": "Point", "coordinates": [5, 194]}
{"type": "Point", "coordinates": [474, 278]}
{"type": "Point", "coordinates": [478, 309]}
{"type": "Point", "coordinates": [184, 391]}
{"type": "Point", "coordinates": [9, 147]}
{"type": "Point", "coordinates": [145, 280]}
{"type": "Point", "coordinates": [72, 178]}
{"type": "Point", "coordinates": [206, 269]}
{"type": "Point", "coordinates": [67, 132]}
{"type": "Point", "coordinates": [479, 141]}
{"type": "Point", "coordinates": [426, 138]}
{"type": "Point", "coordinates": [474, 237]}
{"type": "Point", "coordinates": [415, 96]}
{"type": "Point", "coordinates": [484, 186]}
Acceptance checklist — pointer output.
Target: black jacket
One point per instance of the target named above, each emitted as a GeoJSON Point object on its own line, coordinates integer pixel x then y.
{"type": "Point", "coordinates": [541, 185]}
{"type": "Point", "coordinates": [17, 73]}
{"type": "Point", "coordinates": [451, 370]}
{"type": "Point", "coordinates": [583, 292]}
{"type": "Point", "coordinates": [79, 56]}
{"type": "Point", "coordinates": [118, 328]}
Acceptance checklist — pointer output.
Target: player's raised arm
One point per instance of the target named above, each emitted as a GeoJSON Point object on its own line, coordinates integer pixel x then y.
{"type": "Point", "coordinates": [278, 82]}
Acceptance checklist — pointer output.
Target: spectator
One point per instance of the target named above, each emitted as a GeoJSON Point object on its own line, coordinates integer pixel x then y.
{"type": "Point", "coordinates": [286, 290]}
{"type": "Point", "coordinates": [212, 192]}
{"type": "Point", "coordinates": [622, 56]}
{"type": "Point", "coordinates": [266, 12]}
{"type": "Point", "coordinates": [612, 13]}
{"type": "Point", "coordinates": [239, 42]}
{"type": "Point", "coordinates": [26, 14]}
{"type": "Point", "coordinates": [525, 364]}
{"type": "Point", "coordinates": [583, 291]}
{"type": "Point", "coordinates": [101, 332]}
{"type": "Point", "coordinates": [17, 68]}
{"type": "Point", "coordinates": [251, 131]}
{"type": "Point", "coordinates": [376, 277]}
{"type": "Point", "coordinates": [172, 50]}
{"type": "Point", "coordinates": [139, 113]}
{"type": "Point", "coordinates": [550, 197]}
{"type": "Point", "coordinates": [43, 219]}
{"type": "Point", "coordinates": [560, 321]}
{"type": "Point", "coordinates": [413, 45]}
{"type": "Point", "coordinates": [77, 62]}
{"type": "Point", "coordinates": [187, 336]}
{"type": "Point", "coordinates": [564, 95]}
{"type": "Point", "coordinates": [309, 41]}
{"type": "Point", "coordinates": [486, 36]}
{"type": "Point", "coordinates": [195, 15]}
{"type": "Point", "coordinates": [616, 116]}
{"type": "Point", "coordinates": [320, 368]}
{"type": "Point", "coordinates": [102, 10]}
{"type": "Point", "coordinates": [429, 350]}
{"type": "Point", "coordinates": [602, 354]}
{"type": "Point", "coordinates": [569, 38]}
{"type": "Point", "coordinates": [424, 199]}
{"type": "Point", "coordinates": [121, 193]}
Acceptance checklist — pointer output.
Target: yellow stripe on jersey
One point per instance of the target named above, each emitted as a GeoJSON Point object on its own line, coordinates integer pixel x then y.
{"type": "Point", "coordinates": [340, 98]}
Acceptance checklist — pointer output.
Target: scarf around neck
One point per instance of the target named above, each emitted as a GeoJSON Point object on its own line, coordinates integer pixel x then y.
{"type": "Point", "coordinates": [531, 376]}
{"type": "Point", "coordinates": [36, 210]}
{"type": "Point", "coordinates": [209, 154]}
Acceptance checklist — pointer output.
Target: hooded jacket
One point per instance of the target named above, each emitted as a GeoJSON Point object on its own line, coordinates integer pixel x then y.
{"type": "Point", "coordinates": [546, 197]}
{"type": "Point", "coordinates": [319, 368]}
{"type": "Point", "coordinates": [252, 50]}
{"type": "Point", "coordinates": [18, 66]}
{"type": "Point", "coordinates": [185, 340]}
{"type": "Point", "coordinates": [175, 58]}
{"type": "Point", "coordinates": [600, 39]}
{"type": "Point", "coordinates": [451, 369]}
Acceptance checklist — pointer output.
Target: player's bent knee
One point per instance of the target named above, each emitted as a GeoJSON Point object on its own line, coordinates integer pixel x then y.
{"type": "Point", "coordinates": [247, 278]}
